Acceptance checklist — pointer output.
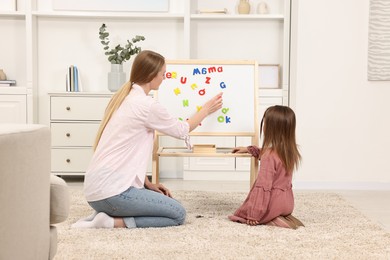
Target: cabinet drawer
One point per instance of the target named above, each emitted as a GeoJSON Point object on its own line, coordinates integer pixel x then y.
{"type": "Point", "coordinates": [78, 108]}
{"type": "Point", "coordinates": [213, 163]}
{"type": "Point", "coordinates": [73, 134]}
{"type": "Point", "coordinates": [70, 160]}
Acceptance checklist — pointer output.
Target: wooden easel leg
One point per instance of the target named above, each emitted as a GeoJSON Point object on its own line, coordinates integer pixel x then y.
{"type": "Point", "coordinates": [155, 170]}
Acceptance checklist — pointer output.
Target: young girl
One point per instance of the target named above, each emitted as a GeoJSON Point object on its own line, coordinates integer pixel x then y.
{"type": "Point", "coordinates": [271, 199]}
{"type": "Point", "coordinates": [116, 185]}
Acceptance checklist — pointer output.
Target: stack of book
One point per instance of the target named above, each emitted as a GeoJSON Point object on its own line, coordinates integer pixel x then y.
{"type": "Point", "coordinates": [213, 11]}
{"type": "Point", "coordinates": [7, 83]}
{"type": "Point", "coordinates": [73, 82]}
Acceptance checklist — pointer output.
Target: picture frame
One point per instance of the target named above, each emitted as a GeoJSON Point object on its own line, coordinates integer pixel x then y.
{"type": "Point", "coordinates": [269, 75]}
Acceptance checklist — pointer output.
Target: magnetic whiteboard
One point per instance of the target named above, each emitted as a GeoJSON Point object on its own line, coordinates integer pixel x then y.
{"type": "Point", "coordinates": [189, 84]}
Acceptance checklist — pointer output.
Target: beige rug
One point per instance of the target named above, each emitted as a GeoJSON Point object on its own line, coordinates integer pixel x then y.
{"type": "Point", "coordinates": [334, 230]}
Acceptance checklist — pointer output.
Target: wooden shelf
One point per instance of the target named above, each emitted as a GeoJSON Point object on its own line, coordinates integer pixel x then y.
{"type": "Point", "coordinates": [184, 152]}
{"type": "Point", "coordinates": [12, 14]}
{"type": "Point", "coordinates": [119, 15]}
{"type": "Point", "coordinates": [237, 17]}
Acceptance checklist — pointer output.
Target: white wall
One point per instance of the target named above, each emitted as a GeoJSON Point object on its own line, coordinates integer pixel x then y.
{"type": "Point", "coordinates": [343, 122]}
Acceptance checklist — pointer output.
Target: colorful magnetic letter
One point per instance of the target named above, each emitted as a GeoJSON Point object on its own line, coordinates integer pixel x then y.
{"type": "Point", "coordinates": [171, 75]}
{"type": "Point", "coordinates": [177, 91]}
{"type": "Point", "coordinates": [225, 110]}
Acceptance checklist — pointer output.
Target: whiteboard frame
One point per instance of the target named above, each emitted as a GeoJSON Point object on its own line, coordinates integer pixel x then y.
{"type": "Point", "coordinates": [163, 151]}
{"type": "Point", "coordinates": [255, 133]}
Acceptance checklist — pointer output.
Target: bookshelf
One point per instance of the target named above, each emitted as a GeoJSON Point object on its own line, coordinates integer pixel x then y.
{"type": "Point", "coordinates": [45, 42]}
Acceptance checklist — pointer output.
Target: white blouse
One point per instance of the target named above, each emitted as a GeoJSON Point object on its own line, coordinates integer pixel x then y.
{"type": "Point", "coordinates": [125, 147]}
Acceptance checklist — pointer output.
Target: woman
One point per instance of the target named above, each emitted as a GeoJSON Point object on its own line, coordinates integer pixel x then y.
{"type": "Point", "coordinates": [116, 185]}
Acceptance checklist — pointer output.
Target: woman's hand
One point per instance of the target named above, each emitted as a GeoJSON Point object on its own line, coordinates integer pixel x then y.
{"type": "Point", "coordinates": [240, 149]}
{"type": "Point", "coordinates": [208, 108]}
{"type": "Point", "coordinates": [213, 104]}
{"type": "Point", "coordinates": [157, 187]}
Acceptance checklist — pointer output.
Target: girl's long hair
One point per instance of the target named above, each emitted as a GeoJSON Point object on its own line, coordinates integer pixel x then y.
{"type": "Point", "coordinates": [279, 124]}
{"type": "Point", "coordinates": [145, 68]}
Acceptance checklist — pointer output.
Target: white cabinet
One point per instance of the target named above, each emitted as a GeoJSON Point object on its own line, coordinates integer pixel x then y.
{"type": "Point", "coordinates": [13, 105]}
{"type": "Point", "coordinates": [74, 121]}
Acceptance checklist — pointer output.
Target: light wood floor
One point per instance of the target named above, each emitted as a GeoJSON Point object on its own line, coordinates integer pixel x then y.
{"type": "Point", "coordinates": [374, 204]}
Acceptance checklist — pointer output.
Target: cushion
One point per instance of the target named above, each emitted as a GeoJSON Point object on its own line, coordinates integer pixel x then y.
{"type": "Point", "coordinates": [59, 200]}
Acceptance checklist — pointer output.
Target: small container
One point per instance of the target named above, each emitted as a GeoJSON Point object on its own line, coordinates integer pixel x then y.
{"type": "Point", "coordinates": [244, 7]}
{"type": "Point", "coordinates": [3, 76]}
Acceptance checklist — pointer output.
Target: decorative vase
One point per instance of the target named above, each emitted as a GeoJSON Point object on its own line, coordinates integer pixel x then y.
{"type": "Point", "coordinates": [244, 7]}
{"type": "Point", "coordinates": [116, 78]}
{"type": "Point", "coordinates": [2, 75]}
{"type": "Point", "coordinates": [262, 8]}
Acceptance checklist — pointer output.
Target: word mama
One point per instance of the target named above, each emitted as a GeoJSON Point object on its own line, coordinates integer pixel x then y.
{"type": "Point", "coordinates": [207, 70]}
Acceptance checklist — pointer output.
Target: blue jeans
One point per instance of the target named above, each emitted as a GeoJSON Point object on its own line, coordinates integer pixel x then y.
{"type": "Point", "coordinates": [142, 208]}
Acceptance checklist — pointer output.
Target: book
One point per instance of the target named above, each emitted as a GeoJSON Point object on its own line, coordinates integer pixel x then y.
{"type": "Point", "coordinates": [71, 71]}
{"type": "Point", "coordinates": [72, 80]}
{"type": "Point", "coordinates": [7, 83]}
{"type": "Point", "coordinates": [76, 83]}
{"type": "Point", "coordinates": [213, 11]}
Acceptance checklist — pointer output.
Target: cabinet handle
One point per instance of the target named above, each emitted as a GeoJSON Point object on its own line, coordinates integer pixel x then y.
{"type": "Point", "coordinates": [68, 108]}
{"type": "Point", "coordinates": [68, 160]}
{"type": "Point", "coordinates": [68, 134]}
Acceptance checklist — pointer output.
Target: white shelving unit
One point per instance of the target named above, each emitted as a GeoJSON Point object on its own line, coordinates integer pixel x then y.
{"type": "Point", "coordinates": [42, 43]}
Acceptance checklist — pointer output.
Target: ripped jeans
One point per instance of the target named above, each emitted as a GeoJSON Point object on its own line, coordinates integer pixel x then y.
{"type": "Point", "coordinates": [142, 208]}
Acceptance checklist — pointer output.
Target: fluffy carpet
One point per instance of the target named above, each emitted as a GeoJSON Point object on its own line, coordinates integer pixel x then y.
{"type": "Point", "coordinates": [334, 230]}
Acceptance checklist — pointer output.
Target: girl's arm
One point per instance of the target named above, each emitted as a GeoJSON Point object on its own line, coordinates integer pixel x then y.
{"type": "Point", "coordinates": [252, 149]}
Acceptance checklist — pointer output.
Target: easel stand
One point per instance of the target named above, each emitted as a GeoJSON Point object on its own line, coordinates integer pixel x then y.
{"type": "Point", "coordinates": [189, 83]}
{"type": "Point", "coordinates": [184, 152]}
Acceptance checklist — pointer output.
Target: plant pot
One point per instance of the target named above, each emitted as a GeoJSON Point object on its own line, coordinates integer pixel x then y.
{"type": "Point", "coordinates": [116, 78]}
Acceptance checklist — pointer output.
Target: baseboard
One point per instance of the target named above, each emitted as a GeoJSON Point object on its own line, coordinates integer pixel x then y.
{"type": "Point", "coordinates": [306, 185]}
{"type": "Point", "coordinates": [298, 185]}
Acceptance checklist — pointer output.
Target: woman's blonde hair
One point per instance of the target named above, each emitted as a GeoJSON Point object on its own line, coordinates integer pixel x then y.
{"type": "Point", "coordinates": [279, 135]}
{"type": "Point", "coordinates": [145, 67]}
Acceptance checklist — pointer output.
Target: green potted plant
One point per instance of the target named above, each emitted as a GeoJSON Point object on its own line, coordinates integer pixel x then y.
{"type": "Point", "coordinates": [117, 56]}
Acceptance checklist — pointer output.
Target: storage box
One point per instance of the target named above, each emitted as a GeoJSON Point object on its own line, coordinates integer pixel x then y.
{"type": "Point", "coordinates": [204, 148]}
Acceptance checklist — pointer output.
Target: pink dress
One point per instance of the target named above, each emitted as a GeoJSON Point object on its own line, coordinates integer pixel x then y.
{"type": "Point", "coordinates": [271, 195]}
